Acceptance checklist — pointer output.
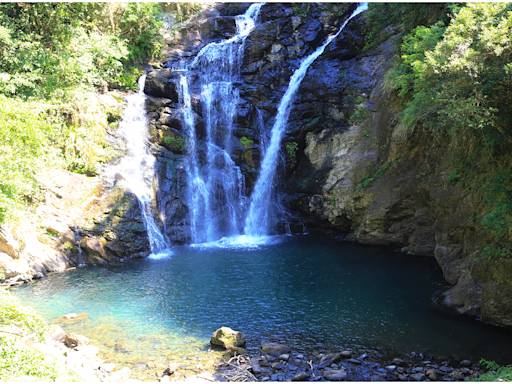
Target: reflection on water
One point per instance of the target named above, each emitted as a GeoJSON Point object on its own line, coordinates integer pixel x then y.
{"type": "Point", "coordinates": [310, 291]}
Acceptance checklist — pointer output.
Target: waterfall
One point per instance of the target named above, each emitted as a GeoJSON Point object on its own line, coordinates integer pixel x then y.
{"type": "Point", "coordinates": [258, 217]}
{"type": "Point", "coordinates": [137, 167]}
{"type": "Point", "coordinates": [215, 183]}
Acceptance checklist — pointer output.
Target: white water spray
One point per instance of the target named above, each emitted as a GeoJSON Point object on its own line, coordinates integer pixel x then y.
{"type": "Point", "coordinates": [137, 167]}
{"type": "Point", "coordinates": [257, 221]}
{"type": "Point", "coordinates": [215, 183]}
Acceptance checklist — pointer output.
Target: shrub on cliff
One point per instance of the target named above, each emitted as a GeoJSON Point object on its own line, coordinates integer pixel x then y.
{"type": "Point", "coordinates": [54, 58]}
{"type": "Point", "coordinates": [455, 81]}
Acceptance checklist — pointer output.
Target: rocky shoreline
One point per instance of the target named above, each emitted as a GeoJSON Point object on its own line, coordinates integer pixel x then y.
{"type": "Point", "coordinates": [278, 362]}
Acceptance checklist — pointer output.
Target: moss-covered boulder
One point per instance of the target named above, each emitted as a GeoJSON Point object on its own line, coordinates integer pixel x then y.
{"type": "Point", "coordinates": [226, 336]}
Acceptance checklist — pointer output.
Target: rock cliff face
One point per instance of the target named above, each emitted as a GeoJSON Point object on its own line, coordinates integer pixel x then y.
{"type": "Point", "coordinates": [347, 167]}
{"type": "Point", "coordinates": [79, 220]}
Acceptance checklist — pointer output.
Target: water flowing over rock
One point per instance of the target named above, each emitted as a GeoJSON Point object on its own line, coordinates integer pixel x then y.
{"type": "Point", "coordinates": [137, 168]}
{"type": "Point", "coordinates": [215, 183]}
{"type": "Point", "coordinates": [257, 222]}
{"type": "Point", "coordinates": [335, 159]}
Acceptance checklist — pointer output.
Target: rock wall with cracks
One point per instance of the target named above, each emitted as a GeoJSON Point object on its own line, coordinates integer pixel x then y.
{"type": "Point", "coordinates": [347, 167]}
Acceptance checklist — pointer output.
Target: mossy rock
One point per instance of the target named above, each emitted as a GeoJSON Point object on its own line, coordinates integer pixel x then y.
{"type": "Point", "coordinates": [226, 336]}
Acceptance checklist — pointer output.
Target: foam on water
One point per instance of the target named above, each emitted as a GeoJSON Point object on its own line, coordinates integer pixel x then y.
{"type": "Point", "coordinates": [241, 242]}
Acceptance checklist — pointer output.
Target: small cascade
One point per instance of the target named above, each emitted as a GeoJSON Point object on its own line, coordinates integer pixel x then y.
{"type": "Point", "coordinates": [137, 167]}
{"type": "Point", "coordinates": [215, 183]}
{"type": "Point", "coordinates": [258, 221]}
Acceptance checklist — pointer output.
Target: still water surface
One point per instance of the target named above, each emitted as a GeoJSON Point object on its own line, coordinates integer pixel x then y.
{"type": "Point", "coordinates": [310, 291]}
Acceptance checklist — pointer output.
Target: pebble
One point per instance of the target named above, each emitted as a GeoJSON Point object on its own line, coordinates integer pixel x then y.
{"type": "Point", "coordinates": [284, 357]}
{"type": "Point", "coordinates": [336, 375]}
{"type": "Point", "coordinates": [402, 377]}
{"type": "Point", "coordinates": [301, 376]}
{"type": "Point", "coordinates": [354, 361]}
{"type": "Point", "coordinates": [457, 375]}
{"type": "Point", "coordinates": [399, 362]}
{"type": "Point", "coordinates": [446, 369]}
{"type": "Point", "coordinates": [391, 368]}
{"type": "Point", "coordinates": [346, 354]}
{"type": "Point", "coordinates": [277, 365]}
{"type": "Point", "coordinates": [418, 376]}
{"type": "Point", "coordinates": [465, 363]}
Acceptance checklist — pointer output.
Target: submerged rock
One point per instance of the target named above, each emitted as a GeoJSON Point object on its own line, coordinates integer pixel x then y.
{"type": "Point", "coordinates": [275, 349]}
{"type": "Point", "coordinates": [72, 318]}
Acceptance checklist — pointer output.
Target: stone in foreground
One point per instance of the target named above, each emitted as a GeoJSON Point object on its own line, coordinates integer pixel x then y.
{"type": "Point", "coordinates": [226, 336]}
{"type": "Point", "coordinates": [336, 375]}
{"type": "Point", "coordinates": [275, 349]}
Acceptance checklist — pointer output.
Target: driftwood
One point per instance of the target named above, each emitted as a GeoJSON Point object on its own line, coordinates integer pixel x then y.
{"type": "Point", "coordinates": [238, 369]}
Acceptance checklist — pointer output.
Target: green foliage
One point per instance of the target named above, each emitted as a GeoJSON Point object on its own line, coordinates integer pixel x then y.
{"type": "Point", "coordinates": [18, 362]}
{"type": "Point", "coordinates": [24, 133]}
{"type": "Point", "coordinates": [291, 148]}
{"type": "Point", "coordinates": [140, 26]}
{"type": "Point", "coordinates": [53, 59]}
{"type": "Point", "coordinates": [175, 143]}
{"type": "Point", "coordinates": [246, 142]}
{"type": "Point", "coordinates": [378, 171]}
{"type": "Point", "coordinates": [454, 79]}
{"type": "Point", "coordinates": [300, 9]}
{"type": "Point", "coordinates": [359, 116]}
{"type": "Point", "coordinates": [409, 15]}
{"type": "Point", "coordinates": [496, 372]}
{"type": "Point", "coordinates": [25, 318]}
{"type": "Point", "coordinates": [185, 11]}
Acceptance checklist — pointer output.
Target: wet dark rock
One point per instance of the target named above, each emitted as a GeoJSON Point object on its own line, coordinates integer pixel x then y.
{"type": "Point", "coordinates": [336, 375]}
{"type": "Point", "coordinates": [327, 360]}
{"type": "Point", "coordinates": [277, 365]}
{"type": "Point", "coordinates": [159, 83]}
{"type": "Point", "coordinates": [432, 374]}
{"type": "Point", "coordinates": [270, 358]}
{"type": "Point", "coordinates": [354, 361]}
{"type": "Point", "coordinates": [301, 376]}
{"type": "Point", "coordinates": [346, 354]}
{"type": "Point", "coordinates": [465, 363]}
{"type": "Point", "coordinates": [446, 369]}
{"type": "Point", "coordinates": [218, 28]}
{"type": "Point", "coordinates": [457, 375]}
{"type": "Point", "coordinates": [417, 376]}
{"type": "Point", "coordinates": [255, 364]}
{"type": "Point", "coordinates": [275, 349]}
{"type": "Point", "coordinates": [398, 362]}
{"type": "Point", "coordinates": [73, 340]}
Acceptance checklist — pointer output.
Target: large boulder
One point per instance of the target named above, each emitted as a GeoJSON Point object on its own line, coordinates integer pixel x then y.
{"type": "Point", "coordinates": [226, 336]}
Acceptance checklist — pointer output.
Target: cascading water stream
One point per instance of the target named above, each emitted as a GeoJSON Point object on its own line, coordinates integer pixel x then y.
{"type": "Point", "coordinates": [215, 183]}
{"type": "Point", "coordinates": [257, 221]}
{"type": "Point", "coordinates": [137, 167]}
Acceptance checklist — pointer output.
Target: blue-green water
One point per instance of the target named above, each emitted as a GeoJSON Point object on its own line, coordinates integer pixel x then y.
{"type": "Point", "coordinates": [311, 291]}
